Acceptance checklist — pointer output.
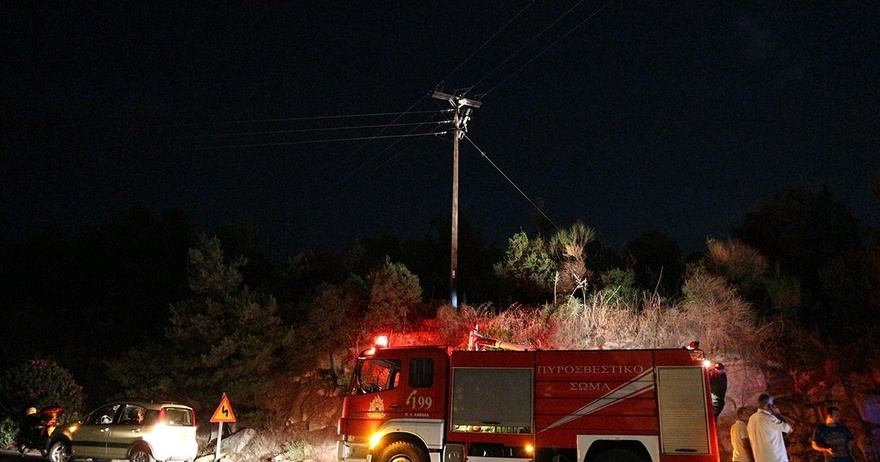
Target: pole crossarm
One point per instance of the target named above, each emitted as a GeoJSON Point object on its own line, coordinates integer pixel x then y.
{"type": "Point", "coordinates": [457, 101]}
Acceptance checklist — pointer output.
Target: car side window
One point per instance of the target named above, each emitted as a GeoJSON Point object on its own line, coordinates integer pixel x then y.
{"type": "Point", "coordinates": [133, 415]}
{"type": "Point", "coordinates": [103, 415]}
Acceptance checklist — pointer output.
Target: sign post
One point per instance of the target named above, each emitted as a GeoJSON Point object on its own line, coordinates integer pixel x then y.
{"type": "Point", "coordinates": [222, 414]}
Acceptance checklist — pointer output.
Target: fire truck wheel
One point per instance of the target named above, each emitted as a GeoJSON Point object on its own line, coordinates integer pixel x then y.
{"type": "Point", "coordinates": [618, 455]}
{"type": "Point", "coordinates": [402, 451]}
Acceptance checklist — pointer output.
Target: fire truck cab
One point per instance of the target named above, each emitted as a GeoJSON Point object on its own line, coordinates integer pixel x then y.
{"type": "Point", "coordinates": [433, 404]}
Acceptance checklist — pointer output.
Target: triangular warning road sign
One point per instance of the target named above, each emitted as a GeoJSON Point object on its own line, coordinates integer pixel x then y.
{"type": "Point", "coordinates": [224, 412]}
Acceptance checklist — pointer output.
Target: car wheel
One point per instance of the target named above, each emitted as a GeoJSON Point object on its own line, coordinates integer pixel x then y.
{"type": "Point", "coordinates": [141, 455]}
{"type": "Point", "coordinates": [59, 452]}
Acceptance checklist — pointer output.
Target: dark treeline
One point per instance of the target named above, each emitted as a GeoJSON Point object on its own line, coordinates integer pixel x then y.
{"type": "Point", "coordinates": [83, 298]}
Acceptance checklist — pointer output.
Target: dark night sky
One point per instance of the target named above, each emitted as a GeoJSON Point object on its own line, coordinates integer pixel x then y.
{"type": "Point", "coordinates": [632, 116]}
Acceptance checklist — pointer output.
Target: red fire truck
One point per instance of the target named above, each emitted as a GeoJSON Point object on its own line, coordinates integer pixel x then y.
{"type": "Point", "coordinates": [516, 404]}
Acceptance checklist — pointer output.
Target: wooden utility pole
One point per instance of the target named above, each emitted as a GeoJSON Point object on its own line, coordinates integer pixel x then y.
{"type": "Point", "coordinates": [462, 107]}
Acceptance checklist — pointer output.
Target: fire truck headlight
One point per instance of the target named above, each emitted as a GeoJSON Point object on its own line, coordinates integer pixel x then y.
{"type": "Point", "coordinates": [707, 364]}
{"type": "Point", "coordinates": [530, 449]}
{"type": "Point", "coordinates": [375, 439]}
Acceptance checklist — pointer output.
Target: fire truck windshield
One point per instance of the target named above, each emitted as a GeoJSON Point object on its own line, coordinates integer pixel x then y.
{"type": "Point", "coordinates": [374, 375]}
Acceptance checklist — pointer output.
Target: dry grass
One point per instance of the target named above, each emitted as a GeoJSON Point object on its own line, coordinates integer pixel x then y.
{"type": "Point", "coordinates": [305, 450]}
{"type": "Point", "coordinates": [454, 325]}
{"type": "Point", "coordinates": [607, 322]}
{"type": "Point", "coordinates": [287, 447]}
{"type": "Point", "coordinates": [711, 312]}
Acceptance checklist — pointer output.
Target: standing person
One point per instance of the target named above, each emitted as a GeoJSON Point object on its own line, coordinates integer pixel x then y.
{"type": "Point", "coordinates": [766, 430]}
{"type": "Point", "coordinates": [718, 387]}
{"type": "Point", "coordinates": [832, 438]}
{"type": "Point", "coordinates": [739, 437]}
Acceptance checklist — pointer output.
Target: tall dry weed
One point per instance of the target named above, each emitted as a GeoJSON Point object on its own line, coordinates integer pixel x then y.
{"type": "Point", "coordinates": [712, 312]}
{"type": "Point", "coordinates": [456, 324]}
{"type": "Point", "coordinates": [599, 322]}
{"type": "Point", "coordinates": [519, 324]}
{"type": "Point", "coordinates": [725, 322]}
{"type": "Point", "coordinates": [737, 261]}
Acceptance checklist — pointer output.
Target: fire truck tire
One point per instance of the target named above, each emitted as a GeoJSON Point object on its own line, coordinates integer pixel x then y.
{"type": "Point", "coordinates": [618, 455]}
{"type": "Point", "coordinates": [402, 451]}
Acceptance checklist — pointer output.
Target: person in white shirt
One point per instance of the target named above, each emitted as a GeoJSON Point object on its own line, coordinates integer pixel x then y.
{"type": "Point", "coordinates": [739, 436]}
{"type": "Point", "coordinates": [766, 429]}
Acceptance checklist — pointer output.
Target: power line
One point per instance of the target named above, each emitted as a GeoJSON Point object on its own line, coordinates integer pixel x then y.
{"type": "Point", "coordinates": [378, 154]}
{"type": "Point", "coordinates": [351, 173]}
{"type": "Point", "coordinates": [326, 129]}
{"type": "Point", "coordinates": [430, 120]}
{"type": "Point", "coordinates": [525, 45]}
{"type": "Point", "coordinates": [329, 140]}
{"type": "Point", "coordinates": [369, 140]}
{"type": "Point", "coordinates": [391, 146]}
{"type": "Point", "coordinates": [378, 135]}
{"type": "Point", "coordinates": [593, 14]}
{"type": "Point", "coordinates": [486, 42]}
{"type": "Point", "coordinates": [483, 153]}
{"type": "Point", "coordinates": [375, 160]}
{"type": "Point", "coordinates": [293, 119]}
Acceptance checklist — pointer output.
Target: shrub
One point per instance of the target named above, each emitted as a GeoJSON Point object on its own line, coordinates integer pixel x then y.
{"type": "Point", "coordinates": [394, 293]}
{"type": "Point", "coordinates": [528, 266]}
{"type": "Point", "coordinates": [40, 383]}
{"type": "Point", "coordinates": [330, 312]}
{"type": "Point", "coordinates": [619, 285]}
{"type": "Point", "coordinates": [719, 317]}
{"type": "Point", "coordinates": [8, 430]}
